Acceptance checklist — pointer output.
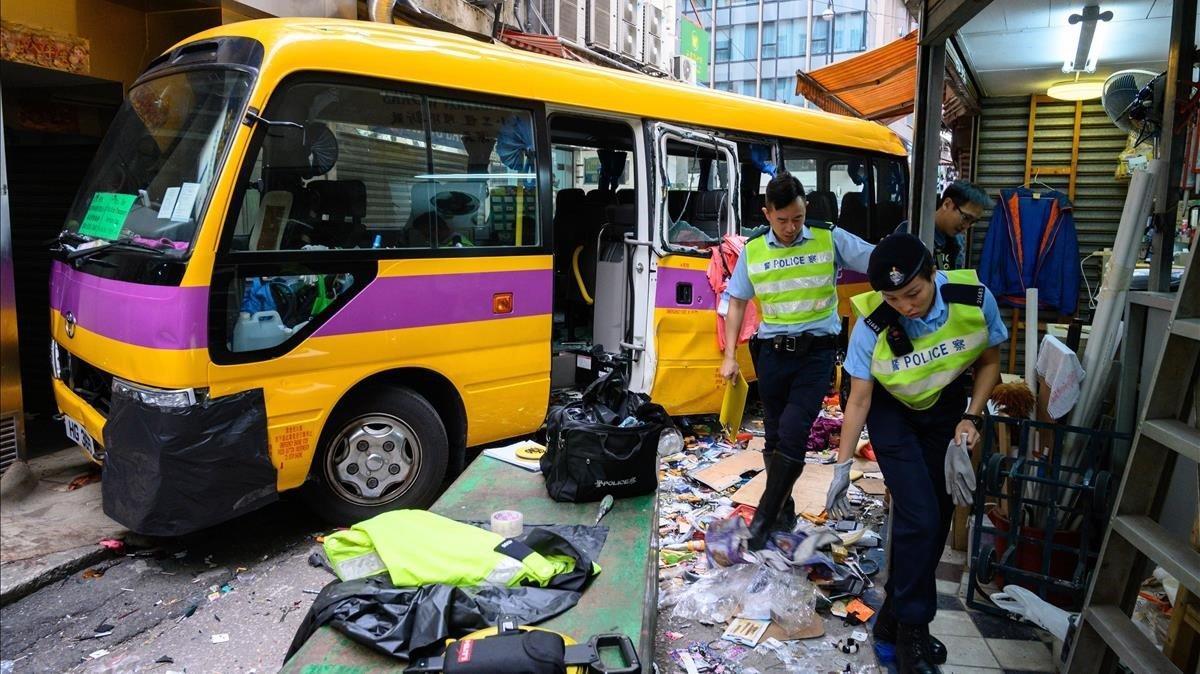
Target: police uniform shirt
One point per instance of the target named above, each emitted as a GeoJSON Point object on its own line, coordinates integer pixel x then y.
{"type": "Point", "coordinates": [849, 252]}
{"type": "Point", "coordinates": [862, 340]}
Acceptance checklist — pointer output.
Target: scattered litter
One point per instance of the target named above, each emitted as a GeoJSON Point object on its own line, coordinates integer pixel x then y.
{"type": "Point", "coordinates": [220, 638]}
{"type": "Point", "coordinates": [84, 480]}
{"type": "Point", "coordinates": [746, 632]}
{"type": "Point", "coordinates": [96, 655]}
{"type": "Point", "coordinates": [165, 660]}
{"type": "Point", "coordinates": [191, 610]}
{"type": "Point", "coordinates": [311, 591]}
{"type": "Point", "coordinates": [94, 572]}
{"type": "Point", "coordinates": [181, 554]}
{"type": "Point", "coordinates": [114, 544]}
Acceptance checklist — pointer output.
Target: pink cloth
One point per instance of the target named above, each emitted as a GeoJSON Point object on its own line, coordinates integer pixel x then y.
{"type": "Point", "coordinates": [720, 268]}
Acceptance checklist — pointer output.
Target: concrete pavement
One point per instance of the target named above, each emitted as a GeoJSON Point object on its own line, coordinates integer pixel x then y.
{"type": "Point", "coordinates": [47, 529]}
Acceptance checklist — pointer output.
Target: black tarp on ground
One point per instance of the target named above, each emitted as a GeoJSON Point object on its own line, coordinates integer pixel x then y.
{"type": "Point", "coordinates": [411, 622]}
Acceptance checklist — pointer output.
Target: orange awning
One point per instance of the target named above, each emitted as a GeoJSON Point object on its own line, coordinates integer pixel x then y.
{"type": "Point", "coordinates": [878, 84]}
{"type": "Point", "coordinates": [549, 45]}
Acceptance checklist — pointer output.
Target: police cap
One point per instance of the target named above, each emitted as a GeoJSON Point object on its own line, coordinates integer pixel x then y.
{"type": "Point", "coordinates": [896, 260]}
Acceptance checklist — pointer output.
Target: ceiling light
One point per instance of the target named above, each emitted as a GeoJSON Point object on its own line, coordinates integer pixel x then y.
{"type": "Point", "coordinates": [1087, 21]}
{"type": "Point", "coordinates": [828, 13]}
{"type": "Point", "coordinates": [1076, 90]}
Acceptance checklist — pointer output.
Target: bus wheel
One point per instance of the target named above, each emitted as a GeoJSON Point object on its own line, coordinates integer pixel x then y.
{"type": "Point", "coordinates": [383, 450]}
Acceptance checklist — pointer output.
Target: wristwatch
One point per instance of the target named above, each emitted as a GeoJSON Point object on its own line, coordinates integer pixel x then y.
{"type": "Point", "coordinates": [975, 419]}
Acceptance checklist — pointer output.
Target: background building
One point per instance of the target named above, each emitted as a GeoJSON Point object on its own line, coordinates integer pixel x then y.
{"type": "Point", "coordinates": [757, 47]}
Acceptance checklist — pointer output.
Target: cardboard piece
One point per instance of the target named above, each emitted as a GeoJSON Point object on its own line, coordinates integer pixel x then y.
{"type": "Point", "coordinates": [872, 486]}
{"type": "Point", "coordinates": [809, 491]}
{"type": "Point", "coordinates": [726, 472]}
{"type": "Point", "coordinates": [815, 628]}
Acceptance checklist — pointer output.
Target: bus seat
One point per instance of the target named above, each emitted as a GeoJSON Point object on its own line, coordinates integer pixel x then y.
{"type": "Point", "coordinates": [822, 205]}
{"type": "Point", "coordinates": [266, 232]}
{"type": "Point", "coordinates": [752, 211]}
{"type": "Point", "coordinates": [569, 208]}
{"type": "Point", "coordinates": [680, 203]}
{"type": "Point", "coordinates": [626, 196]}
{"type": "Point", "coordinates": [888, 216]}
{"type": "Point", "coordinates": [855, 217]}
{"type": "Point", "coordinates": [711, 213]}
{"type": "Point", "coordinates": [339, 207]}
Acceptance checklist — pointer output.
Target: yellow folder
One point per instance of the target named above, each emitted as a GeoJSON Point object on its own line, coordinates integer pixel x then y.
{"type": "Point", "coordinates": [734, 405]}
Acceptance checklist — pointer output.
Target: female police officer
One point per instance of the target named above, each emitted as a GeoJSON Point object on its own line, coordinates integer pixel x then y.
{"type": "Point", "coordinates": [918, 333]}
{"type": "Point", "coordinates": [792, 269]}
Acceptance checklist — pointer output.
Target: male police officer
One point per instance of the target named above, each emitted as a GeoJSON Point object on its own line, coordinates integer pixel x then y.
{"type": "Point", "coordinates": [961, 206]}
{"type": "Point", "coordinates": [792, 269]}
{"type": "Point", "coordinates": [918, 333]}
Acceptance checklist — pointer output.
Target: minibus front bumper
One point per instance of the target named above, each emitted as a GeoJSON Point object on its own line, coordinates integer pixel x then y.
{"type": "Point", "coordinates": [169, 471]}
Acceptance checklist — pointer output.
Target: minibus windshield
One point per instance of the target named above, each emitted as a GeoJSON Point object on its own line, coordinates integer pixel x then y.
{"type": "Point", "coordinates": [150, 181]}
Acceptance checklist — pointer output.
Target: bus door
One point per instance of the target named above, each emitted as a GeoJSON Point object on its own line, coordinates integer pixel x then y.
{"type": "Point", "coordinates": [696, 183]}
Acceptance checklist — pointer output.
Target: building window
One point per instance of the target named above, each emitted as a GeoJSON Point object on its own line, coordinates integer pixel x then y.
{"type": "Point", "coordinates": [747, 87]}
{"type": "Point", "coordinates": [722, 45]}
{"type": "Point", "coordinates": [790, 37]}
{"type": "Point", "coordinates": [849, 32]}
{"type": "Point", "coordinates": [745, 48]}
{"type": "Point", "coordinates": [768, 41]}
{"type": "Point", "coordinates": [820, 39]}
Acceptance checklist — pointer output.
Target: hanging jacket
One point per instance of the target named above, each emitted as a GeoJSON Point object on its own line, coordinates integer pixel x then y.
{"type": "Point", "coordinates": [720, 268]}
{"type": "Point", "coordinates": [417, 547]}
{"type": "Point", "coordinates": [1031, 243]}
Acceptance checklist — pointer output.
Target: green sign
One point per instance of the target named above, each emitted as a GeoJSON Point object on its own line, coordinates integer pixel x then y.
{"type": "Point", "coordinates": [693, 43]}
{"type": "Point", "coordinates": [106, 216]}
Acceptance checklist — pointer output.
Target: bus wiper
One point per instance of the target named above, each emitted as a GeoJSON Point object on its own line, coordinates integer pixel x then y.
{"type": "Point", "coordinates": [113, 245]}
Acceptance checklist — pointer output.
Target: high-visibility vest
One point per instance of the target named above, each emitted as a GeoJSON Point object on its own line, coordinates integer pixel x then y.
{"type": "Point", "coordinates": [417, 547]}
{"type": "Point", "coordinates": [937, 359]}
{"type": "Point", "coordinates": [794, 284]}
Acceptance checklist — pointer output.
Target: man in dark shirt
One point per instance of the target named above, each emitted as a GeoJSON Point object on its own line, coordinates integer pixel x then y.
{"type": "Point", "coordinates": [962, 205]}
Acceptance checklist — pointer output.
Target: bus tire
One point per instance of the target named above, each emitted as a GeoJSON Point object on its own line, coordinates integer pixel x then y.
{"type": "Point", "coordinates": [384, 449]}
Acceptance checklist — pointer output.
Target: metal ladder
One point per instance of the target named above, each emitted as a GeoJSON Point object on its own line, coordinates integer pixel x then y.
{"type": "Point", "coordinates": [1134, 536]}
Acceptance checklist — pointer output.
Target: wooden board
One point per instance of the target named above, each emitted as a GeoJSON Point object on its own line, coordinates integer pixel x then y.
{"type": "Point", "coordinates": [623, 598]}
{"type": "Point", "coordinates": [726, 472]}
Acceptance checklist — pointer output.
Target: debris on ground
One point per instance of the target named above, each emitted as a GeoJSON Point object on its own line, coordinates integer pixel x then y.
{"type": "Point", "coordinates": [802, 601]}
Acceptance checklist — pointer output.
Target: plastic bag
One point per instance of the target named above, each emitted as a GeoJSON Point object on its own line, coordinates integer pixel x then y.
{"type": "Point", "coordinates": [715, 597]}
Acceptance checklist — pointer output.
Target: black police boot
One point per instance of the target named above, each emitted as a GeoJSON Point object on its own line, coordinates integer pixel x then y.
{"type": "Point", "coordinates": [781, 476]}
{"type": "Point", "coordinates": [786, 520]}
{"type": "Point", "coordinates": [884, 634]}
{"type": "Point", "coordinates": [912, 650]}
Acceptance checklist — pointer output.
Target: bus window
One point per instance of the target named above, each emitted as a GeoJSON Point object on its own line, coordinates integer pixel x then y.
{"type": "Point", "coordinates": [848, 181]}
{"type": "Point", "coordinates": [273, 308]}
{"type": "Point", "coordinates": [698, 206]}
{"type": "Point", "coordinates": [344, 180]}
{"type": "Point", "coordinates": [891, 196]}
{"type": "Point", "coordinates": [483, 187]}
{"type": "Point", "coordinates": [758, 162]}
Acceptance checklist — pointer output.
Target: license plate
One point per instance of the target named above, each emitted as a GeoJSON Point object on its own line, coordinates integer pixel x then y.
{"type": "Point", "coordinates": [79, 435]}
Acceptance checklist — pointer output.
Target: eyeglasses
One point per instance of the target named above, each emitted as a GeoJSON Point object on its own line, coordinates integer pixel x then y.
{"type": "Point", "coordinates": [966, 217]}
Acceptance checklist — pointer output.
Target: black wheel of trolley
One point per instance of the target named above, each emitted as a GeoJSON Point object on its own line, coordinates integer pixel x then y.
{"type": "Point", "coordinates": [985, 564]}
{"type": "Point", "coordinates": [383, 449]}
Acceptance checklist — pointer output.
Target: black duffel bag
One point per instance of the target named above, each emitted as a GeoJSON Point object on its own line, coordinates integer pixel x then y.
{"type": "Point", "coordinates": [606, 443]}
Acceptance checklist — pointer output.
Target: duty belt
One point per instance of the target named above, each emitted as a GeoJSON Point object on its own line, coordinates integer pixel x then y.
{"type": "Point", "coordinates": [800, 344]}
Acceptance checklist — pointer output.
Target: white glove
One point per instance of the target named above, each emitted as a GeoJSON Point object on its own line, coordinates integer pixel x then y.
{"type": "Point", "coordinates": [836, 504]}
{"type": "Point", "coordinates": [960, 476]}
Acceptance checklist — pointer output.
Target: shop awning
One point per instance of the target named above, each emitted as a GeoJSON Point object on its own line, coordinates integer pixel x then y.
{"type": "Point", "coordinates": [878, 84]}
{"type": "Point", "coordinates": [549, 45]}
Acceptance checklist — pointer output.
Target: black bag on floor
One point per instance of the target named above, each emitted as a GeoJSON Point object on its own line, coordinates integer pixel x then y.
{"type": "Point", "coordinates": [606, 443]}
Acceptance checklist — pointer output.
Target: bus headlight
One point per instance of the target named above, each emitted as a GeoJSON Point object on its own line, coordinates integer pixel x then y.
{"type": "Point", "coordinates": [57, 365]}
{"type": "Point", "coordinates": [184, 397]}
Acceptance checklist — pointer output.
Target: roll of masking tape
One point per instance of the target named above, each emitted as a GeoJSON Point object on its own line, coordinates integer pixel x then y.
{"type": "Point", "coordinates": [508, 523]}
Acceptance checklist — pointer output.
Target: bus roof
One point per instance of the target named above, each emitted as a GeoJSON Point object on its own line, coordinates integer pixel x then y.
{"type": "Point", "coordinates": [443, 59]}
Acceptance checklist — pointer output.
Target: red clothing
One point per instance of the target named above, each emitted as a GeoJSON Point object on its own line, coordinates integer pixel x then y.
{"type": "Point", "coordinates": [720, 268]}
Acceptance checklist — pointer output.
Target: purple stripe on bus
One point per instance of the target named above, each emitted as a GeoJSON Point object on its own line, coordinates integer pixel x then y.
{"type": "Point", "coordinates": [393, 302]}
{"type": "Point", "coordinates": [158, 317]}
{"type": "Point", "coordinates": [668, 280]}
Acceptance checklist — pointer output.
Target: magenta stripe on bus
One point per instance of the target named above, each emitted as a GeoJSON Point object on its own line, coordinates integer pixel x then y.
{"type": "Point", "coordinates": [393, 302]}
{"type": "Point", "coordinates": [158, 317]}
{"type": "Point", "coordinates": [668, 280]}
